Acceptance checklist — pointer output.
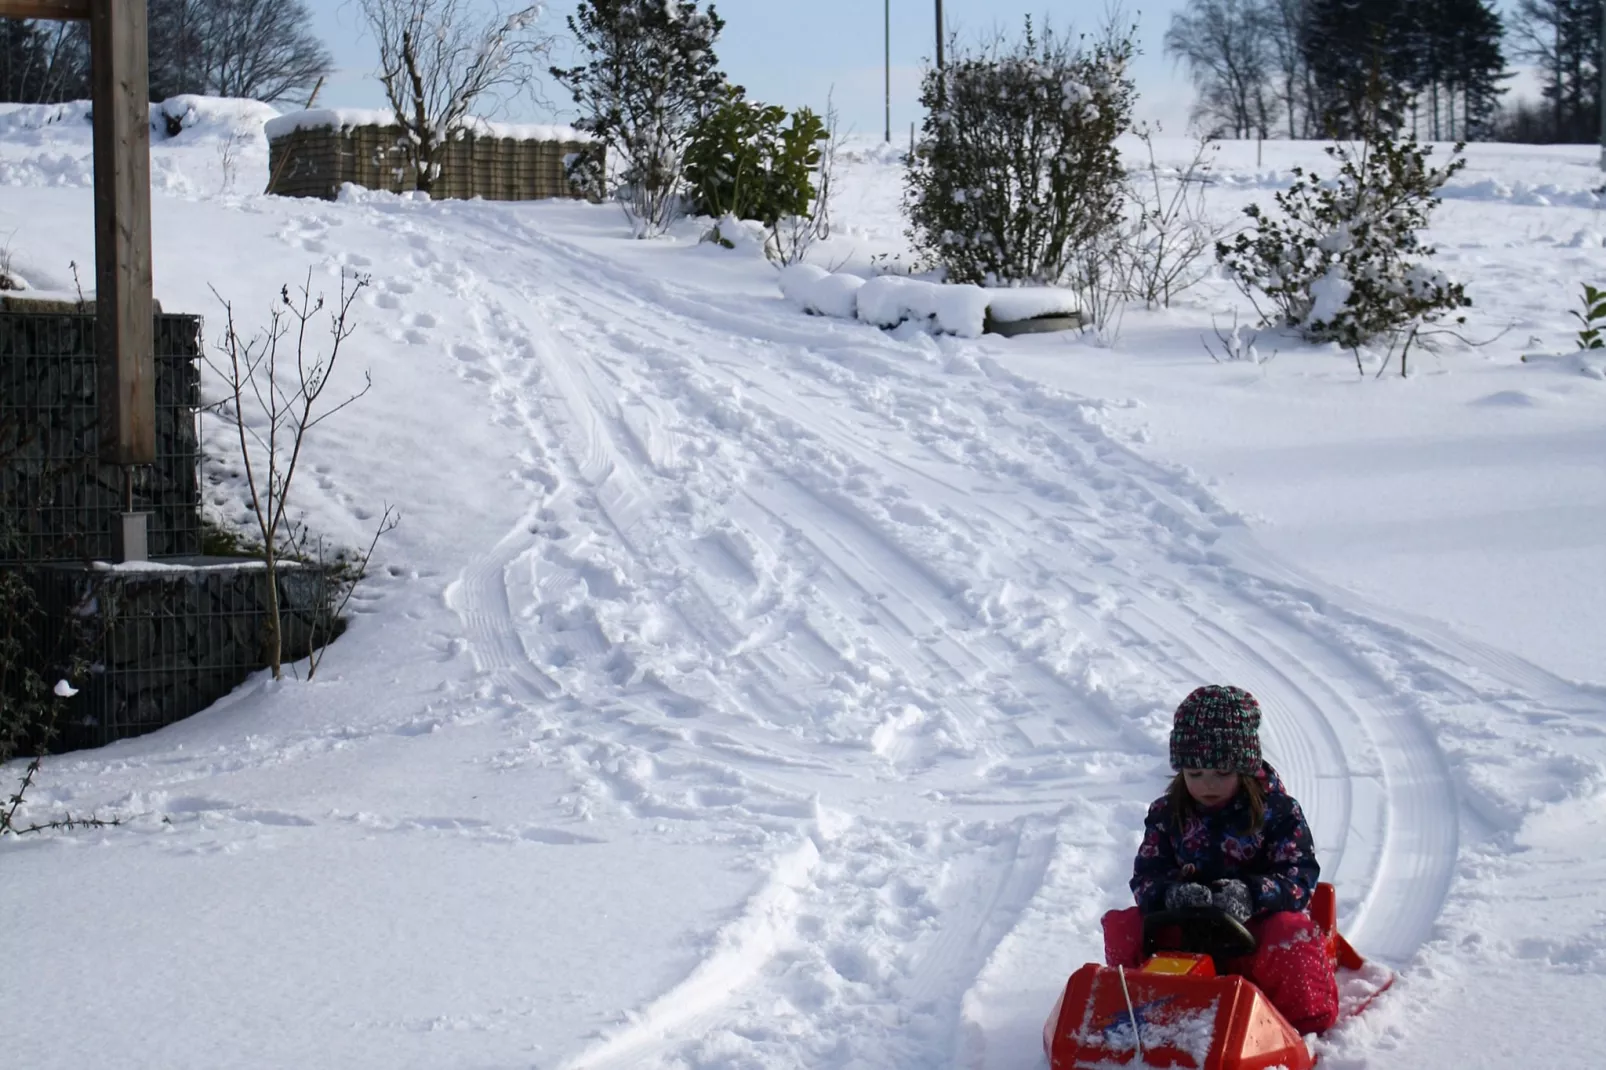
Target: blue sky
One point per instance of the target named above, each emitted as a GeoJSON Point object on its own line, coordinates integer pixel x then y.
{"type": "Point", "coordinates": [793, 52]}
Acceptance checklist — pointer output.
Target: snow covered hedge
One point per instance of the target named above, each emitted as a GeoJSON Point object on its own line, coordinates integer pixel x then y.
{"type": "Point", "coordinates": [889, 300]}
{"type": "Point", "coordinates": [1017, 178]}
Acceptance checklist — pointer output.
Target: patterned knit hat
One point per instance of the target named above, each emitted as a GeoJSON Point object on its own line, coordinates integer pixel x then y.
{"type": "Point", "coordinates": [1217, 727]}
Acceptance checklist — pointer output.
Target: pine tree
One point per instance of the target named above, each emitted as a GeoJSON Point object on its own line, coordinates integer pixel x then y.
{"type": "Point", "coordinates": [1356, 47]}
{"type": "Point", "coordinates": [1478, 64]}
{"type": "Point", "coordinates": [651, 74]}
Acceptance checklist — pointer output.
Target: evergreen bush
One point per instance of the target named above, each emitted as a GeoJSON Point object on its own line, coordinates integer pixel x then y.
{"type": "Point", "coordinates": [1343, 262]}
{"type": "Point", "coordinates": [752, 161]}
{"type": "Point", "coordinates": [649, 77]}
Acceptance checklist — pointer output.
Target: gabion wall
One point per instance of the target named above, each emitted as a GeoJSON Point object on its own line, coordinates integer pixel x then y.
{"type": "Point", "coordinates": [165, 643]}
{"type": "Point", "coordinates": [316, 161]}
{"type": "Point", "coordinates": [63, 503]}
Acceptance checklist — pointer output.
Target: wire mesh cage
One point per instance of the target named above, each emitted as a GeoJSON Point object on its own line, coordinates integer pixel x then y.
{"type": "Point", "coordinates": [163, 643]}
{"type": "Point", "coordinates": [61, 502]}
{"type": "Point", "coordinates": [316, 161]}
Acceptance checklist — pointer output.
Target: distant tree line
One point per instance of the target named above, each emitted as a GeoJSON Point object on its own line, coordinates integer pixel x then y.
{"type": "Point", "coordinates": [261, 49]}
{"type": "Point", "coordinates": [1309, 68]}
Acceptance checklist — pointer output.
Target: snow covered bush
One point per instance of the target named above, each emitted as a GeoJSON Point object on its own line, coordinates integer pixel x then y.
{"type": "Point", "coordinates": [1017, 171]}
{"type": "Point", "coordinates": [1343, 262]}
{"type": "Point", "coordinates": [650, 77]}
{"type": "Point", "coordinates": [752, 161]}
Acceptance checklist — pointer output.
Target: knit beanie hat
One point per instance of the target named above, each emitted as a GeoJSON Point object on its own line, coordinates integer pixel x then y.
{"type": "Point", "coordinates": [1217, 727]}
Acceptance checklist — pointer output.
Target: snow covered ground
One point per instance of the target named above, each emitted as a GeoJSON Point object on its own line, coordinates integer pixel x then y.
{"type": "Point", "coordinates": [745, 689]}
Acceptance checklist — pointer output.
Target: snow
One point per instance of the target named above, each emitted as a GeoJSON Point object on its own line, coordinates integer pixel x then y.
{"type": "Point", "coordinates": [1031, 302]}
{"type": "Point", "coordinates": [346, 118]}
{"type": "Point", "coordinates": [888, 301]}
{"type": "Point", "coordinates": [744, 688]}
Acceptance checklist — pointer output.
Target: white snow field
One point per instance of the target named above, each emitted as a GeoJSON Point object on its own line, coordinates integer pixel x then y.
{"type": "Point", "coordinates": [746, 689]}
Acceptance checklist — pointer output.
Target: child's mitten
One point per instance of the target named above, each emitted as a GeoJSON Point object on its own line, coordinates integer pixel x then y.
{"type": "Point", "coordinates": [1180, 896]}
{"type": "Point", "coordinates": [1231, 897]}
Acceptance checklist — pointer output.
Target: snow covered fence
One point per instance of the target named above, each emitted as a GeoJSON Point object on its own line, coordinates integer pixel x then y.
{"type": "Point", "coordinates": [313, 153]}
{"type": "Point", "coordinates": [964, 310]}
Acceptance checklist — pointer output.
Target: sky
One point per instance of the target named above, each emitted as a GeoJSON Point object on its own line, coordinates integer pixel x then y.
{"type": "Point", "coordinates": [799, 54]}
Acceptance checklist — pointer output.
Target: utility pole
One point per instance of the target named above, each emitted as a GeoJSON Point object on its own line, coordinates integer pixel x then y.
{"type": "Point", "coordinates": [939, 35]}
{"type": "Point", "coordinates": [886, 30]}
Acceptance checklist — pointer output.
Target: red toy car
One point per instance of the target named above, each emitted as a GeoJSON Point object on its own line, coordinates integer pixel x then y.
{"type": "Point", "coordinates": [1176, 1011]}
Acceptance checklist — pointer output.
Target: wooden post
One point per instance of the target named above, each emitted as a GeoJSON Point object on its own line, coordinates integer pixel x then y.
{"type": "Point", "coordinates": [124, 309]}
{"type": "Point", "coordinates": [124, 326]}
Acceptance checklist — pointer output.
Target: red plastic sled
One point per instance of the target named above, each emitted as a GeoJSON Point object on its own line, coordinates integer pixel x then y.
{"type": "Point", "coordinates": [1175, 1011]}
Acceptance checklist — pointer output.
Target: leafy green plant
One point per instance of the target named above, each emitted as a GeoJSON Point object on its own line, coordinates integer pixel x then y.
{"type": "Point", "coordinates": [753, 161]}
{"type": "Point", "coordinates": [1593, 318]}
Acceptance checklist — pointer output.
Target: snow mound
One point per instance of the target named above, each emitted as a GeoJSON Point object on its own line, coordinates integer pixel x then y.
{"type": "Point", "coordinates": [889, 301]}
{"type": "Point", "coordinates": [189, 115]}
{"type": "Point", "coordinates": [1031, 302]}
{"type": "Point", "coordinates": [821, 293]}
{"type": "Point", "coordinates": [19, 121]}
{"type": "Point", "coordinates": [199, 118]}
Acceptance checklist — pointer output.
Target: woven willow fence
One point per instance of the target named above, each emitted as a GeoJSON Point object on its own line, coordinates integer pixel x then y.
{"type": "Point", "coordinates": [314, 162]}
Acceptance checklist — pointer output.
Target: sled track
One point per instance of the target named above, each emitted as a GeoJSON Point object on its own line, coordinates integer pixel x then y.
{"type": "Point", "coordinates": [840, 520]}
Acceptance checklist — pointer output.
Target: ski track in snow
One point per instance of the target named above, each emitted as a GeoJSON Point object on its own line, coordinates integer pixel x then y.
{"type": "Point", "coordinates": [777, 542]}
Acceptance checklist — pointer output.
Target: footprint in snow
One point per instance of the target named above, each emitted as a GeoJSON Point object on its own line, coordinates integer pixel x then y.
{"type": "Point", "coordinates": [1515, 399]}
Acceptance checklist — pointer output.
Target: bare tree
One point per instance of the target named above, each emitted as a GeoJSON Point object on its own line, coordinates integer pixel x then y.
{"type": "Point", "coordinates": [1284, 22]}
{"type": "Point", "coordinates": [43, 62]}
{"type": "Point", "coordinates": [1228, 52]}
{"type": "Point", "coordinates": [261, 49]}
{"type": "Point", "coordinates": [275, 382]}
{"type": "Point", "coordinates": [1562, 38]}
{"type": "Point", "coordinates": [439, 58]}
{"type": "Point", "coordinates": [1169, 240]}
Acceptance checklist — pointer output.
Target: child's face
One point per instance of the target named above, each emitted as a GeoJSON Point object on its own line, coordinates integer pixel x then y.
{"type": "Point", "coordinates": [1210, 787]}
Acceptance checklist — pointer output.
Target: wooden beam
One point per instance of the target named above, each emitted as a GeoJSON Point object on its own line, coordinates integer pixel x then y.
{"type": "Point", "coordinates": [44, 9]}
{"type": "Point", "coordinates": [120, 84]}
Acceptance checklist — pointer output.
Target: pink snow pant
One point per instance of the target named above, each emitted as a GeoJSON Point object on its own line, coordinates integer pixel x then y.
{"type": "Point", "coordinates": [1291, 966]}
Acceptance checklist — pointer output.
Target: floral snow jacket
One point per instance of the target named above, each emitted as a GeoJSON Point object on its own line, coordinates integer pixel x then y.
{"type": "Point", "coordinates": [1278, 863]}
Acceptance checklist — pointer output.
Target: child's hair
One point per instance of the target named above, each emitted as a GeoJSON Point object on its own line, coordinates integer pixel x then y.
{"type": "Point", "coordinates": [1183, 806]}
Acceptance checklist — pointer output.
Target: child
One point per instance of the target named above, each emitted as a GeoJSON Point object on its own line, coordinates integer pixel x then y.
{"type": "Point", "coordinates": [1226, 834]}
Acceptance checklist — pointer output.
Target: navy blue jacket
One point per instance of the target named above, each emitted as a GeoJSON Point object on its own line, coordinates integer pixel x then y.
{"type": "Point", "coordinates": [1278, 863]}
